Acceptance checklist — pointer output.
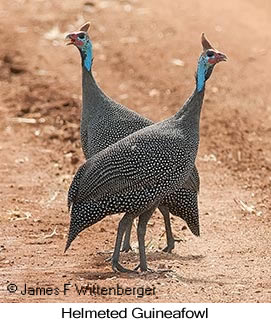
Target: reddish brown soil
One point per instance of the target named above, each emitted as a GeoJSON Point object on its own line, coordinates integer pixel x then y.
{"type": "Point", "coordinates": [135, 42]}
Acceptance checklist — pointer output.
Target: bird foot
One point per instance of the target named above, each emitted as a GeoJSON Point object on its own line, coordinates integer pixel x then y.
{"type": "Point", "coordinates": [117, 267]}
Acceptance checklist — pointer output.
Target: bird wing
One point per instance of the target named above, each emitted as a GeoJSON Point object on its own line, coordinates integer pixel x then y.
{"type": "Point", "coordinates": [130, 163]}
{"type": "Point", "coordinates": [109, 178]}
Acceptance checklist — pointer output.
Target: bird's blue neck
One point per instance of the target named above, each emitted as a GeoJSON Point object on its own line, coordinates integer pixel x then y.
{"type": "Point", "coordinates": [192, 107]}
{"type": "Point", "coordinates": [86, 53]}
{"type": "Point", "coordinates": [201, 74]}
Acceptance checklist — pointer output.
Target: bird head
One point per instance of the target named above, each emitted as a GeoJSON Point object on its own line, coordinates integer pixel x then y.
{"type": "Point", "coordinates": [207, 60]}
{"type": "Point", "coordinates": [210, 54]}
{"type": "Point", "coordinates": [81, 40]}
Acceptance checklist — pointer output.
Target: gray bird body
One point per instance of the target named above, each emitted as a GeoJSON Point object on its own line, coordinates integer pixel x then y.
{"type": "Point", "coordinates": [138, 172]}
{"type": "Point", "coordinates": [151, 155]}
{"type": "Point", "coordinates": [105, 122]}
{"type": "Point", "coordinates": [143, 170]}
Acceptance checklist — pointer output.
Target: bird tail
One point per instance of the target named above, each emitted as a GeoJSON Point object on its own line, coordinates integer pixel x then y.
{"type": "Point", "coordinates": [185, 205]}
{"type": "Point", "coordinates": [82, 216]}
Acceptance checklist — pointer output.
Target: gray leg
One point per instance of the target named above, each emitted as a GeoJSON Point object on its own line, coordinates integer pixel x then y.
{"type": "Point", "coordinates": [170, 240]}
{"type": "Point", "coordinates": [126, 244]}
{"type": "Point", "coordinates": [141, 232]}
{"type": "Point", "coordinates": [124, 223]}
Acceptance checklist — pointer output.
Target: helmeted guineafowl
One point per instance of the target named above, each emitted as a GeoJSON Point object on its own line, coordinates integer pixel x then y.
{"type": "Point", "coordinates": [104, 122]}
{"type": "Point", "coordinates": [140, 171]}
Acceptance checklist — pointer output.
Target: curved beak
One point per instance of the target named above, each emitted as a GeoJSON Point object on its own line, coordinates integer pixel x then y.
{"type": "Point", "coordinates": [221, 57]}
{"type": "Point", "coordinates": [70, 39]}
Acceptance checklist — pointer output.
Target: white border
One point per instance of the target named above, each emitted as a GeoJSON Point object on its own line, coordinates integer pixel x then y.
{"type": "Point", "coordinates": [217, 313]}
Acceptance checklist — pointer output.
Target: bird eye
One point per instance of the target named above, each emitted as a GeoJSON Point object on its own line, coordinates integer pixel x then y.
{"type": "Point", "coordinates": [210, 53]}
{"type": "Point", "coordinates": [81, 35]}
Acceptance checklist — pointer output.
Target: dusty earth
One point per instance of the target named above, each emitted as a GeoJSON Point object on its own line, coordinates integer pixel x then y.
{"type": "Point", "coordinates": [145, 57]}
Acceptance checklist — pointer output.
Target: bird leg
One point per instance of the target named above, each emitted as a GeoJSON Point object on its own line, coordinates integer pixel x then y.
{"type": "Point", "coordinates": [126, 244]}
{"type": "Point", "coordinates": [127, 234]}
{"type": "Point", "coordinates": [141, 232]}
{"type": "Point", "coordinates": [123, 224]}
{"type": "Point", "coordinates": [170, 240]}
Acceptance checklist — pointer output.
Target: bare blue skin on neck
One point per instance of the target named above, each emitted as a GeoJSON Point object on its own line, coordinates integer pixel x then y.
{"type": "Point", "coordinates": [201, 73]}
{"type": "Point", "coordinates": [204, 70]}
{"type": "Point", "coordinates": [87, 55]}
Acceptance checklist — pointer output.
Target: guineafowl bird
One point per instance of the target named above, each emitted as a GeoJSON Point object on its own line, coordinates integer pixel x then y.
{"type": "Point", "coordinates": [140, 171]}
{"type": "Point", "coordinates": [104, 122]}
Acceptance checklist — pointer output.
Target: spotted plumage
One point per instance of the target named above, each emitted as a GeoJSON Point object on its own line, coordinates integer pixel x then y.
{"type": "Point", "coordinates": [141, 170]}
{"type": "Point", "coordinates": [104, 122]}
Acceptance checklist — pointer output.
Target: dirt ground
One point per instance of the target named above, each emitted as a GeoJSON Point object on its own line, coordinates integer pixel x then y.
{"type": "Point", "coordinates": [145, 55]}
